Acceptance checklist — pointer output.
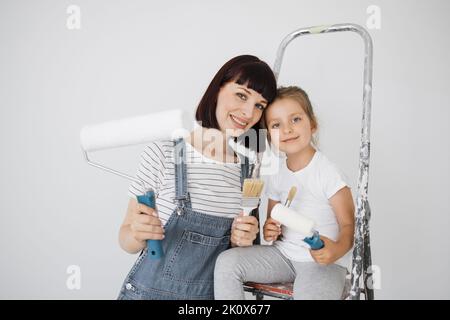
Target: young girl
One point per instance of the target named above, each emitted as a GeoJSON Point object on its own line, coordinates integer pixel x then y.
{"type": "Point", "coordinates": [198, 187]}
{"type": "Point", "coordinates": [322, 195]}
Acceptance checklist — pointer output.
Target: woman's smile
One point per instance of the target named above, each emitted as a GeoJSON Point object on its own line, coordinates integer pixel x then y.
{"type": "Point", "coordinates": [238, 122]}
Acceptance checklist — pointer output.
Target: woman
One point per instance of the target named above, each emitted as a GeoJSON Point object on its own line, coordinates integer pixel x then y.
{"type": "Point", "coordinates": [205, 177]}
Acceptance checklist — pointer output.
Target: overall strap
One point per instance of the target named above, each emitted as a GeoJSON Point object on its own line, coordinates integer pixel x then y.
{"type": "Point", "coordinates": [246, 172]}
{"type": "Point", "coordinates": [246, 169]}
{"type": "Point", "coordinates": [181, 193]}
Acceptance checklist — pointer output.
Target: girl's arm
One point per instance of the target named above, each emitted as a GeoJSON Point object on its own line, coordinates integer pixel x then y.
{"type": "Point", "coordinates": [344, 209]}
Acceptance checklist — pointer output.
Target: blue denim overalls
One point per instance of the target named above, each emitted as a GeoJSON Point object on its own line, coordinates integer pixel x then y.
{"type": "Point", "coordinates": [191, 246]}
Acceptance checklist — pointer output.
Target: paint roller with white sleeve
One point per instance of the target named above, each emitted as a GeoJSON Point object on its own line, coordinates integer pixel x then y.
{"type": "Point", "coordinates": [135, 130]}
{"type": "Point", "coordinates": [131, 131]}
{"type": "Point", "coordinates": [299, 223]}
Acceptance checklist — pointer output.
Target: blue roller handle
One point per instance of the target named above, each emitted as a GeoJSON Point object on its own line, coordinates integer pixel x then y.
{"type": "Point", "coordinates": [314, 241]}
{"type": "Point", "coordinates": [155, 250]}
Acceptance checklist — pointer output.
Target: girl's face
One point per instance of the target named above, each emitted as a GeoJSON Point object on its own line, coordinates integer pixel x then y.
{"type": "Point", "coordinates": [289, 127]}
{"type": "Point", "coordinates": [238, 108]}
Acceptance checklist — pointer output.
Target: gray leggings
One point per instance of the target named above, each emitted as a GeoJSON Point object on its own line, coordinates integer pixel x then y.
{"type": "Point", "coordinates": [266, 264]}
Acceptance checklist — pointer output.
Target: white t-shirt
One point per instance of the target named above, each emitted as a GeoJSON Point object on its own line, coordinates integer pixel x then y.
{"type": "Point", "coordinates": [214, 186]}
{"type": "Point", "coordinates": [316, 184]}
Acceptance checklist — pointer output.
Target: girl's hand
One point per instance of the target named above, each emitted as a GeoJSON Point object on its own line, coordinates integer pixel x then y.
{"type": "Point", "coordinates": [328, 254]}
{"type": "Point", "coordinates": [272, 229]}
{"type": "Point", "coordinates": [244, 230]}
{"type": "Point", "coordinates": [145, 224]}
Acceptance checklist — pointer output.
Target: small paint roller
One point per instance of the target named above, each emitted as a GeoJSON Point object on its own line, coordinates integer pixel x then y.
{"type": "Point", "coordinates": [299, 223]}
{"type": "Point", "coordinates": [131, 131]}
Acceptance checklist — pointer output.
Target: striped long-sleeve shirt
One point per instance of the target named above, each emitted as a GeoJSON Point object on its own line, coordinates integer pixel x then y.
{"type": "Point", "coordinates": [214, 186]}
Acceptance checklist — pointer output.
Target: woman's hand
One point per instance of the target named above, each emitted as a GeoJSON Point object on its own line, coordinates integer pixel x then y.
{"type": "Point", "coordinates": [328, 254]}
{"type": "Point", "coordinates": [244, 230]}
{"type": "Point", "coordinates": [141, 223]}
{"type": "Point", "coordinates": [145, 224]}
{"type": "Point", "coordinates": [272, 229]}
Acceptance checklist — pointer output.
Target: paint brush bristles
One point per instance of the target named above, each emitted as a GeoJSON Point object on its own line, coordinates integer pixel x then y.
{"type": "Point", "coordinates": [290, 196]}
{"type": "Point", "coordinates": [252, 188]}
{"type": "Point", "coordinates": [251, 191]}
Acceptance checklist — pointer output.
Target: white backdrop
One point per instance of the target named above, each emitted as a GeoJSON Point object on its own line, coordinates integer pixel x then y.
{"type": "Point", "coordinates": [134, 57]}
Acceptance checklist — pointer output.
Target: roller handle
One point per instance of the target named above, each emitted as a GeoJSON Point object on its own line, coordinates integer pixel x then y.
{"type": "Point", "coordinates": [314, 241]}
{"type": "Point", "coordinates": [155, 250]}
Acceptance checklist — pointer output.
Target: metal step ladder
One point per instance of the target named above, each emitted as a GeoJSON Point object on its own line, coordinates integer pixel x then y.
{"type": "Point", "coordinates": [361, 280]}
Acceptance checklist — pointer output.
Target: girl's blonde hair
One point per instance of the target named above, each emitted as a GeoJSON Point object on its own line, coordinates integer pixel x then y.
{"type": "Point", "coordinates": [301, 97]}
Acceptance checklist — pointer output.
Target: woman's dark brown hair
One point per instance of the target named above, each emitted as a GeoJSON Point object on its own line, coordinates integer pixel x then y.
{"type": "Point", "coordinates": [244, 70]}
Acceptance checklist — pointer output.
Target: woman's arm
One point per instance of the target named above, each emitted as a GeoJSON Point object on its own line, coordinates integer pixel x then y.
{"type": "Point", "coordinates": [140, 224]}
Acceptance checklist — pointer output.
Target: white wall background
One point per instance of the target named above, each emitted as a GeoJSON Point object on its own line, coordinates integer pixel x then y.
{"type": "Point", "coordinates": [135, 57]}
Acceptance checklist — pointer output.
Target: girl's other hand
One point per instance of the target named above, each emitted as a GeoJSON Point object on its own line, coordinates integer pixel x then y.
{"type": "Point", "coordinates": [272, 229]}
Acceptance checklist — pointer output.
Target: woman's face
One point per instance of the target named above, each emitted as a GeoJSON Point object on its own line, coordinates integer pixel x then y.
{"type": "Point", "coordinates": [238, 108]}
